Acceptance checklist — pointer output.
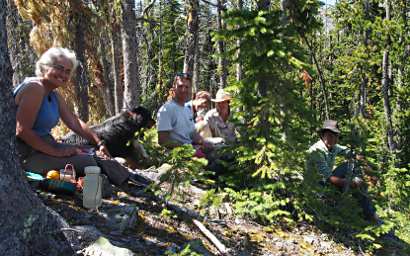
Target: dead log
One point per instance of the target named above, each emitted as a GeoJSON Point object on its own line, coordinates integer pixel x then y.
{"type": "Point", "coordinates": [210, 236]}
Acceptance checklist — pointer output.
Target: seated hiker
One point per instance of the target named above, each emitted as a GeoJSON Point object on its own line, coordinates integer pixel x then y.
{"type": "Point", "coordinates": [39, 109]}
{"type": "Point", "coordinates": [199, 105]}
{"type": "Point", "coordinates": [321, 160]}
{"type": "Point", "coordinates": [216, 128]}
{"type": "Point", "coordinates": [175, 122]}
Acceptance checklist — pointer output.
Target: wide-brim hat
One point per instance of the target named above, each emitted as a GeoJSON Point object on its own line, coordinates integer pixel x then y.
{"type": "Point", "coordinates": [221, 96]}
{"type": "Point", "coordinates": [330, 125]}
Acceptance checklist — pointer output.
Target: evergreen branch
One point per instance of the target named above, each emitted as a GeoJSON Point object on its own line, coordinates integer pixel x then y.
{"type": "Point", "coordinates": [145, 13]}
{"type": "Point", "coordinates": [151, 21]}
{"type": "Point", "coordinates": [146, 9]}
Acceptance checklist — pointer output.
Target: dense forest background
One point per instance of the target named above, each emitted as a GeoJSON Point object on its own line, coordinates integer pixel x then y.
{"type": "Point", "coordinates": [289, 65]}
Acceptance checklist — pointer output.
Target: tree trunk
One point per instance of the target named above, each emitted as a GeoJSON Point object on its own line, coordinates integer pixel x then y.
{"type": "Point", "coordinates": [81, 79]}
{"type": "Point", "coordinates": [238, 44]}
{"type": "Point", "coordinates": [320, 74]}
{"type": "Point", "coordinates": [207, 51]}
{"type": "Point", "coordinates": [361, 108]}
{"type": "Point", "coordinates": [209, 76]}
{"type": "Point", "coordinates": [27, 227]}
{"type": "Point", "coordinates": [191, 35]}
{"type": "Point", "coordinates": [150, 72]}
{"type": "Point", "coordinates": [116, 67]}
{"type": "Point", "coordinates": [108, 89]}
{"type": "Point", "coordinates": [130, 54]}
{"type": "Point", "coordinates": [160, 76]}
{"type": "Point", "coordinates": [160, 46]}
{"type": "Point", "coordinates": [22, 56]}
{"type": "Point", "coordinates": [263, 79]}
{"type": "Point", "coordinates": [386, 89]}
{"type": "Point", "coordinates": [222, 69]}
{"type": "Point", "coordinates": [195, 75]}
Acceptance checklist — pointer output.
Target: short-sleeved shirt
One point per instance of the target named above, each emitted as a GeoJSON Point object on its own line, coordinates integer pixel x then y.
{"type": "Point", "coordinates": [220, 128]}
{"type": "Point", "coordinates": [322, 160]}
{"type": "Point", "coordinates": [178, 120]}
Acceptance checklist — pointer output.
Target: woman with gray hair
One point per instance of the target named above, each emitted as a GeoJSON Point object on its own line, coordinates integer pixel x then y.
{"type": "Point", "coordinates": [39, 109]}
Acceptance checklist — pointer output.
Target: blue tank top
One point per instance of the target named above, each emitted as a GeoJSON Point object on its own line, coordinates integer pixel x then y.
{"type": "Point", "coordinates": [48, 115]}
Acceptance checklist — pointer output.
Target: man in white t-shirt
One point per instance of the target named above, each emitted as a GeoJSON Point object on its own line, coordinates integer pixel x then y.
{"type": "Point", "coordinates": [175, 123]}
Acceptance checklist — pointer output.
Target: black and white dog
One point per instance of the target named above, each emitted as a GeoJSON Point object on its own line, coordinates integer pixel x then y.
{"type": "Point", "coordinates": [118, 133]}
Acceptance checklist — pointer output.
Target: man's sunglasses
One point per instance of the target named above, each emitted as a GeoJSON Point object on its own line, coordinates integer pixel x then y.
{"type": "Point", "coordinates": [183, 75]}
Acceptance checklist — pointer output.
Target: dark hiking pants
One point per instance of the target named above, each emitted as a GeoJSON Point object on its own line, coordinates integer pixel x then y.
{"type": "Point", "coordinates": [38, 162]}
{"type": "Point", "coordinates": [360, 194]}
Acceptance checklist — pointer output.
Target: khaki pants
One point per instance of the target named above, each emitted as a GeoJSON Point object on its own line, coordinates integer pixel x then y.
{"type": "Point", "coordinates": [38, 162]}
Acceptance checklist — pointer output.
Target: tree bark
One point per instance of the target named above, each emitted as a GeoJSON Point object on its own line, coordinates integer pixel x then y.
{"type": "Point", "coordinates": [238, 52]}
{"type": "Point", "coordinates": [195, 75]}
{"type": "Point", "coordinates": [22, 56]}
{"type": "Point", "coordinates": [148, 35]}
{"type": "Point", "coordinates": [222, 69]}
{"type": "Point", "coordinates": [386, 89]}
{"type": "Point", "coordinates": [160, 76]}
{"type": "Point", "coordinates": [108, 89]}
{"type": "Point", "coordinates": [116, 67]}
{"type": "Point", "coordinates": [130, 54]}
{"type": "Point", "coordinates": [191, 42]}
{"type": "Point", "coordinates": [207, 52]}
{"type": "Point", "coordinates": [27, 227]}
{"type": "Point", "coordinates": [160, 42]}
{"type": "Point", "coordinates": [81, 79]}
{"type": "Point", "coordinates": [209, 76]}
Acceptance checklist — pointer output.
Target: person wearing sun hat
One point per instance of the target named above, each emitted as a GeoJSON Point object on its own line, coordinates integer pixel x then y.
{"type": "Point", "coordinates": [216, 119]}
{"type": "Point", "coordinates": [326, 148]}
{"type": "Point", "coordinates": [321, 160]}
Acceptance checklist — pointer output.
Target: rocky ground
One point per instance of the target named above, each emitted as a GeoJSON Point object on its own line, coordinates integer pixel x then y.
{"type": "Point", "coordinates": [136, 221]}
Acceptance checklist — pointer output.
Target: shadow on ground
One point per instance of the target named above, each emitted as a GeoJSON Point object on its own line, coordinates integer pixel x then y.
{"type": "Point", "coordinates": [151, 234]}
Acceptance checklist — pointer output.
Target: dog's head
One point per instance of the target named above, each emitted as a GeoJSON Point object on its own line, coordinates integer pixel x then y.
{"type": "Point", "coordinates": [142, 117]}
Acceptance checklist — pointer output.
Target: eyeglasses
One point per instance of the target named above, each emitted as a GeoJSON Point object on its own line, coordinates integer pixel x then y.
{"type": "Point", "coordinates": [183, 75]}
{"type": "Point", "coordinates": [60, 68]}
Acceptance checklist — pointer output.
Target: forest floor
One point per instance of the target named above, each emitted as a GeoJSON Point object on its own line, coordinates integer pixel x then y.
{"type": "Point", "coordinates": [151, 230]}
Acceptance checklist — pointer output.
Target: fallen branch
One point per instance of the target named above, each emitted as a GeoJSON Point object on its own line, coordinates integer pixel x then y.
{"type": "Point", "coordinates": [210, 236]}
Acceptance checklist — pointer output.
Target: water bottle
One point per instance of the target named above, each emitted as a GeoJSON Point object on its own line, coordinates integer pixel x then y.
{"type": "Point", "coordinates": [92, 190]}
